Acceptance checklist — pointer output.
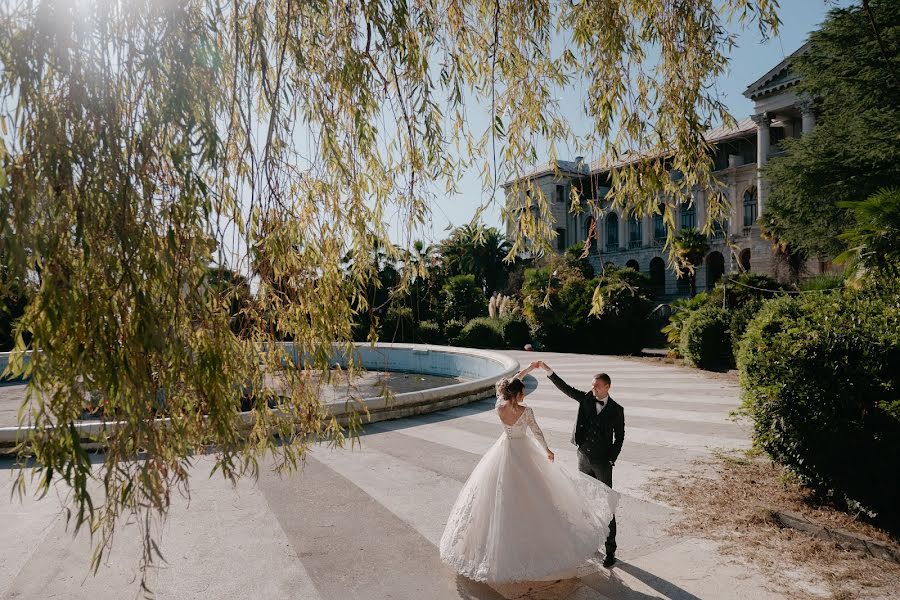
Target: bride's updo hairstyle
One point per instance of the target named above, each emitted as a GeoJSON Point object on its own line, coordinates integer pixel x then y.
{"type": "Point", "coordinates": [509, 389]}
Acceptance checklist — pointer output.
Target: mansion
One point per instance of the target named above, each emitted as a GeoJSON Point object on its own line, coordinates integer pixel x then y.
{"type": "Point", "coordinates": [739, 154]}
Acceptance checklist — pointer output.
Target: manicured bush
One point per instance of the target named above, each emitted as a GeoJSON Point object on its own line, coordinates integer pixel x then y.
{"type": "Point", "coordinates": [429, 332]}
{"type": "Point", "coordinates": [821, 379]}
{"type": "Point", "coordinates": [515, 333]}
{"type": "Point", "coordinates": [480, 333]}
{"type": "Point", "coordinates": [704, 340]}
{"type": "Point", "coordinates": [738, 320]}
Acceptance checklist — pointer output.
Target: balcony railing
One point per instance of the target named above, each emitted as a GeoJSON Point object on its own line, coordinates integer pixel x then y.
{"type": "Point", "coordinates": [632, 244]}
{"type": "Point", "coordinates": [747, 231]}
{"type": "Point", "coordinates": [610, 248]}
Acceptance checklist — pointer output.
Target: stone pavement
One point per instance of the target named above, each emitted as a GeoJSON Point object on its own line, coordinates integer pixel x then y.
{"type": "Point", "coordinates": [365, 523]}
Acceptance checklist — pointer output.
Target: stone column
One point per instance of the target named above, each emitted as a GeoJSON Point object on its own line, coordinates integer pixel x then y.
{"type": "Point", "coordinates": [699, 208]}
{"type": "Point", "coordinates": [762, 157]}
{"type": "Point", "coordinates": [808, 114]}
{"type": "Point", "coordinates": [647, 230]}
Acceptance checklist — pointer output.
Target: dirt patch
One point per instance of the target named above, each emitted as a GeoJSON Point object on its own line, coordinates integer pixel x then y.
{"type": "Point", "coordinates": [734, 507]}
{"type": "Point", "coordinates": [730, 376]}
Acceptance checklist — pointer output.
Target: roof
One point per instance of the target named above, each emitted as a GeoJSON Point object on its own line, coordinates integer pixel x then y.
{"type": "Point", "coordinates": [778, 78]}
{"type": "Point", "coordinates": [564, 167]}
{"type": "Point", "coordinates": [740, 129]}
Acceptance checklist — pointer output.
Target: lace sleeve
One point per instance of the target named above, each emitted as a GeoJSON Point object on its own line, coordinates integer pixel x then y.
{"type": "Point", "coordinates": [532, 424]}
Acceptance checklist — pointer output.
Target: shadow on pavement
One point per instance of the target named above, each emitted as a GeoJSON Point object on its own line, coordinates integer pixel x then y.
{"type": "Point", "coordinates": [666, 588]}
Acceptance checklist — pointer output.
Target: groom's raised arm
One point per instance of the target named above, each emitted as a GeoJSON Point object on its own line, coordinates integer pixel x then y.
{"type": "Point", "coordinates": [564, 387]}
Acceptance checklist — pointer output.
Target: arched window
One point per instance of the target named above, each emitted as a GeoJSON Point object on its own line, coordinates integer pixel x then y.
{"type": "Point", "coordinates": [612, 231]}
{"type": "Point", "coordinates": [715, 268]}
{"type": "Point", "coordinates": [635, 235]}
{"type": "Point", "coordinates": [688, 216]}
{"type": "Point", "coordinates": [720, 228]}
{"type": "Point", "coordinates": [751, 207]}
{"type": "Point", "coordinates": [658, 275]}
{"type": "Point", "coordinates": [744, 260]}
{"type": "Point", "coordinates": [633, 264]}
{"type": "Point", "coordinates": [659, 227]}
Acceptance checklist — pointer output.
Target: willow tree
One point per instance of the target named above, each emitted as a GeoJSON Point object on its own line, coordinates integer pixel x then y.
{"type": "Point", "coordinates": [143, 141]}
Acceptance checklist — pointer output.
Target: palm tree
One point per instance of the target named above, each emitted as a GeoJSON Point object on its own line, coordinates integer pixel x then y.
{"type": "Point", "coordinates": [479, 251]}
{"type": "Point", "coordinates": [874, 239]}
{"type": "Point", "coordinates": [691, 247]}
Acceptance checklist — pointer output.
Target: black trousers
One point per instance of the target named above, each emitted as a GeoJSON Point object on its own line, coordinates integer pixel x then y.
{"type": "Point", "coordinates": [601, 470]}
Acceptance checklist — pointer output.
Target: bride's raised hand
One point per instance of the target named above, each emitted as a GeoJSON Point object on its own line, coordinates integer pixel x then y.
{"type": "Point", "coordinates": [550, 456]}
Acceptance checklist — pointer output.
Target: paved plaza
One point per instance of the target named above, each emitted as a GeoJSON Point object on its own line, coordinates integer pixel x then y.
{"type": "Point", "coordinates": [365, 523]}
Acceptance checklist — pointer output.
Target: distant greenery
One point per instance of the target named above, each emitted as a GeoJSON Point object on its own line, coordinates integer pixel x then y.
{"type": "Point", "coordinates": [604, 315]}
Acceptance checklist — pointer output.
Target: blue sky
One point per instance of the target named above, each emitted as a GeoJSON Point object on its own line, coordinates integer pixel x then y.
{"type": "Point", "coordinates": [751, 59]}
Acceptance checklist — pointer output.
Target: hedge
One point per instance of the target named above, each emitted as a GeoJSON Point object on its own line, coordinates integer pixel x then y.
{"type": "Point", "coordinates": [705, 341]}
{"type": "Point", "coordinates": [515, 333]}
{"type": "Point", "coordinates": [480, 333]}
{"type": "Point", "coordinates": [429, 332]}
{"type": "Point", "coordinates": [821, 380]}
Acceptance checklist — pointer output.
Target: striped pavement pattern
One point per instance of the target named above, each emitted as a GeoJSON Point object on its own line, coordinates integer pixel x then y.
{"type": "Point", "coordinates": [365, 523]}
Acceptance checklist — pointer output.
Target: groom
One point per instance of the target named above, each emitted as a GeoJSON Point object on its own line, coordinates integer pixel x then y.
{"type": "Point", "coordinates": [599, 433]}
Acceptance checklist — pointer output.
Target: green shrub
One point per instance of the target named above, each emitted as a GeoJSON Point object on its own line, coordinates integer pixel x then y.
{"type": "Point", "coordinates": [462, 299]}
{"type": "Point", "coordinates": [737, 290]}
{"type": "Point", "coordinates": [682, 309]}
{"type": "Point", "coordinates": [452, 329]}
{"type": "Point", "coordinates": [704, 340]}
{"type": "Point", "coordinates": [429, 332]}
{"type": "Point", "coordinates": [821, 380]}
{"type": "Point", "coordinates": [515, 333]}
{"type": "Point", "coordinates": [483, 332]}
{"type": "Point", "coordinates": [739, 319]}
{"type": "Point", "coordinates": [573, 257]}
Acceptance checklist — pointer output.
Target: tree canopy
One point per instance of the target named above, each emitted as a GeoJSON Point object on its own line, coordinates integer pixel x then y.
{"type": "Point", "coordinates": [853, 77]}
{"type": "Point", "coordinates": [144, 140]}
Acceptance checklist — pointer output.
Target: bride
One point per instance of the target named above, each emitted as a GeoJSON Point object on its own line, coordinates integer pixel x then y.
{"type": "Point", "coordinates": [519, 517]}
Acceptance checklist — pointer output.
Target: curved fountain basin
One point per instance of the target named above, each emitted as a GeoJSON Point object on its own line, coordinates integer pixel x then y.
{"type": "Point", "coordinates": [480, 368]}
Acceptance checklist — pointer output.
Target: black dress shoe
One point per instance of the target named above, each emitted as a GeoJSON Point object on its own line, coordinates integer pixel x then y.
{"type": "Point", "coordinates": [609, 561]}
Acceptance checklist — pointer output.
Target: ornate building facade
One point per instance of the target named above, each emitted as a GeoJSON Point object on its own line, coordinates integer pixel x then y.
{"type": "Point", "coordinates": [740, 153]}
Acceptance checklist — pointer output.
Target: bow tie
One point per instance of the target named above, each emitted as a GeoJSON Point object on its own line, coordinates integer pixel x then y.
{"type": "Point", "coordinates": [601, 402]}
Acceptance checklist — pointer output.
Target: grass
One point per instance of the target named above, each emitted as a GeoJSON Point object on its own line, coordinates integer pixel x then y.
{"type": "Point", "coordinates": [735, 509]}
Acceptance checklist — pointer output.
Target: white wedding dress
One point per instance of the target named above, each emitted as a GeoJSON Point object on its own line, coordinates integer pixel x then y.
{"type": "Point", "coordinates": [520, 517]}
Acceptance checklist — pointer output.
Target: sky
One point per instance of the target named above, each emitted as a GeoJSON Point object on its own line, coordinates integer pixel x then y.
{"type": "Point", "coordinates": [750, 60]}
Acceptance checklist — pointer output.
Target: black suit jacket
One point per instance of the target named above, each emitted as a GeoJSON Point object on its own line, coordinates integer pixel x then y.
{"type": "Point", "coordinates": [600, 436]}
